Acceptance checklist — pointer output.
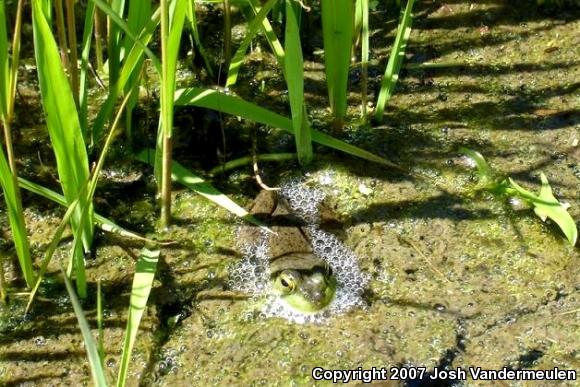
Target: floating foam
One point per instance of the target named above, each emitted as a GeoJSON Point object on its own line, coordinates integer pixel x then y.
{"type": "Point", "coordinates": [252, 274]}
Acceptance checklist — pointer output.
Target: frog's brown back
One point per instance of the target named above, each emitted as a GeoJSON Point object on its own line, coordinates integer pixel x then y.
{"type": "Point", "coordinates": [273, 210]}
{"type": "Point", "coordinates": [290, 236]}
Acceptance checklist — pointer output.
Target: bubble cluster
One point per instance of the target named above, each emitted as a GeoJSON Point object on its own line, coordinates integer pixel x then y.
{"type": "Point", "coordinates": [252, 274]}
{"type": "Point", "coordinates": [303, 201]}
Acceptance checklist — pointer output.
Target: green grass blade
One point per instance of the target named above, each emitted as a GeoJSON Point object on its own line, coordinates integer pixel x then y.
{"type": "Point", "coordinates": [51, 248]}
{"type": "Point", "coordinates": [96, 366]}
{"type": "Point", "coordinates": [172, 19]}
{"type": "Point", "coordinates": [253, 28]}
{"type": "Point", "coordinates": [16, 218]}
{"type": "Point", "coordinates": [142, 285]}
{"type": "Point", "coordinates": [103, 6]}
{"type": "Point", "coordinates": [294, 69]}
{"type": "Point", "coordinates": [364, 15]}
{"type": "Point", "coordinates": [181, 175]}
{"type": "Point", "coordinates": [358, 19]}
{"type": "Point", "coordinates": [230, 104]}
{"type": "Point", "coordinates": [233, 164]}
{"type": "Point", "coordinates": [4, 63]}
{"type": "Point", "coordinates": [130, 63]}
{"type": "Point", "coordinates": [85, 195]}
{"type": "Point", "coordinates": [395, 60]}
{"type": "Point", "coordinates": [64, 129]}
{"type": "Point", "coordinates": [269, 33]}
{"type": "Point", "coordinates": [192, 18]}
{"type": "Point", "coordinates": [104, 223]}
{"type": "Point", "coordinates": [114, 40]}
{"type": "Point", "coordinates": [138, 17]}
{"type": "Point", "coordinates": [83, 82]}
{"type": "Point", "coordinates": [8, 180]}
{"type": "Point", "coordinates": [337, 31]}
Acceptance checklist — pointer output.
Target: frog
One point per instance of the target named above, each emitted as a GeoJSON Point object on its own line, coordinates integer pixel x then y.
{"type": "Point", "coordinates": [299, 278]}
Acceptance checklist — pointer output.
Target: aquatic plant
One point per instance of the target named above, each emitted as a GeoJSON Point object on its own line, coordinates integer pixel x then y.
{"type": "Point", "coordinates": [544, 203]}
{"type": "Point", "coordinates": [337, 30]}
{"type": "Point", "coordinates": [66, 135]}
{"type": "Point", "coordinates": [95, 362]}
{"type": "Point", "coordinates": [8, 171]}
{"type": "Point", "coordinates": [395, 59]}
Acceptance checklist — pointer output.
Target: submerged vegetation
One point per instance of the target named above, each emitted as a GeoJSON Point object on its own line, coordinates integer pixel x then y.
{"type": "Point", "coordinates": [115, 82]}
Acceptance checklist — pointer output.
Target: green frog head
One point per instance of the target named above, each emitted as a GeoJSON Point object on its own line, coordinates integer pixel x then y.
{"type": "Point", "coordinates": [298, 277]}
{"type": "Point", "coordinates": [303, 281]}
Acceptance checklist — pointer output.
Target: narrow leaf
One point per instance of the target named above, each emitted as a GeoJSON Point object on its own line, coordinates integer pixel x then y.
{"type": "Point", "coordinates": [181, 175]}
{"type": "Point", "coordinates": [260, 21]}
{"type": "Point", "coordinates": [142, 285]}
{"type": "Point", "coordinates": [294, 67]}
{"type": "Point", "coordinates": [395, 60]}
{"type": "Point", "coordinates": [337, 31]}
{"type": "Point", "coordinates": [229, 104]}
{"type": "Point", "coordinates": [16, 218]}
{"type": "Point", "coordinates": [97, 370]}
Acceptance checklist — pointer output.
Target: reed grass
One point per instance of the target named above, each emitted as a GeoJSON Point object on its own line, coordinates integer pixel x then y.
{"type": "Point", "coordinates": [103, 223]}
{"type": "Point", "coordinates": [83, 97]}
{"type": "Point", "coordinates": [142, 285]}
{"type": "Point", "coordinates": [192, 19]}
{"type": "Point", "coordinates": [260, 21]}
{"type": "Point", "coordinates": [197, 184]}
{"type": "Point", "coordinates": [139, 14]}
{"type": "Point", "coordinates": [230, 104]}
{"type": "Point", "coordinates": [395, 59]}
{"type": "Point", "coordinates": [337, 32]}
{"type": "Point", "coordinates": [364, 16]}
{"type": "Point", "coordinates": [130, 63]}
{"type": "Point", "coordinates": [294, 70]}
{"type": "Point", "coordinates": [170, 40]}
{"type": "Point", "coordinates": [8, 171]}
{"type": "Point", "coordinates": [96, 366]}
{"type": "Point", "coordinates": [66, 135]}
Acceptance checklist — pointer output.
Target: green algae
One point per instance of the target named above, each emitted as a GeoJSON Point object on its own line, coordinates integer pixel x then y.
{"type": "Point", "coordinates": [457, 277]}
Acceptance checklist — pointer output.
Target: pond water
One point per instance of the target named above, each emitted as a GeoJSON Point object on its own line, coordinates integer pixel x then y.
{"type": "Point", "coordinates": [457, 279]}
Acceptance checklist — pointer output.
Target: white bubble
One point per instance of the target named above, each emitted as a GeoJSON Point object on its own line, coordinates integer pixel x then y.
{"type": "Point", "coordinates": [252, 274]}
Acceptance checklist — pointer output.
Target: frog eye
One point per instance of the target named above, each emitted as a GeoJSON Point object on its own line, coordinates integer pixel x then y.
{"type": "Point", "coordinates": [288, 281]}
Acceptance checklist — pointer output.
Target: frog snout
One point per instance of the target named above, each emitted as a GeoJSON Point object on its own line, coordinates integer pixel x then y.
{"type": "Point", "coordinates": [314, 289]}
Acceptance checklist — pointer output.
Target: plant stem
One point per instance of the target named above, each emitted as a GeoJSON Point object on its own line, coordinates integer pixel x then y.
{"type": "Point", "coordinates": [2, 284]}
{"type": "Point", "coordinates": [227, 33]}
{"type": "Point", "coordinates": [98, 44]}
{"type": "Point", "coordinates": [61, 32]}
{"type": "Point", "coordinates": [364, 55]}
{"type": "Point", "coordinates": [165, 120]}
{"type": "Point", "coordinates": [72, 44]}
{"type": "Point", "coordinates": [15, 60]}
